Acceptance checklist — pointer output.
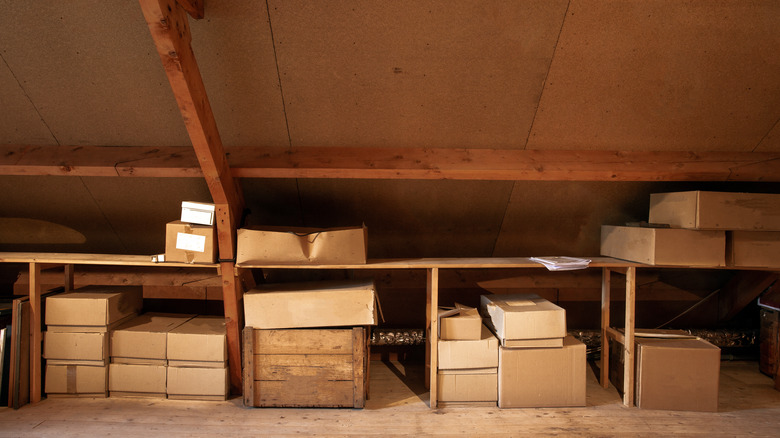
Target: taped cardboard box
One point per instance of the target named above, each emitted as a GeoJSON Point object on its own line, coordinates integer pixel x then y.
{"type": "Point", "coordinates": [185, 383]}
{"type": "Point", "coordinates": [461, 354]}
{"type": "Point", "coordinates": [462, 322]}
{"type": "Point", "coordinates": [474, 385]}
{"type": "Point", "coordinates": [664, 246]}
{"type": "Point", "coordinates": [285, 245]}
{"type": "Point", "coordinates": [716, 210]}
{"type": "Point", "coordinates": [753, 249]}
{"type": "Point", "coordinates": [190, 243]}
{"type": "Point", "coordinates": [76, 380]}
{"type": "Point", "coordinates": [524, 320]}
{"type": "Point", "coordinates": [145, 339]}
{"type": "Point", "coordinates": [199, 342]}
{"type": "Point", "coordinates": [74, 347]}
{"type": "Point", "coordinates": [542, 377]}
{"type": "Point", "coordinates": [132, 380]}
{"type": "Point", "coordinates": [313, 304]}
{"type": "Point", "coordinates": [93, 306]}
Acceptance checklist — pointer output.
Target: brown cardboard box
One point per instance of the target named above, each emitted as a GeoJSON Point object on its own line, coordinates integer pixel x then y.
{"type": "Point", "coordinates": [76, 380]}
{"type": "Point", "coordinates": [716, 210]}
{"type": "Point", "coordinates": [460, 354]}
{"type": "Point", "coordinates": [93, 306]}
{"type": "Point", "coordinates": [137, 380]}
{"type": "Point", "coordinates": [198, 342]}
{"type": "Point", "coordinates": [185, 383]}
{"type": "Point", "coordinates": [315, 304]}
{"type": "Point", "coordinates": [81, 348]}
{"type": "Point", "coordinates": [664, 246]}
{"type": "Point", "coordinates": [524, 320]}
{"type": "Point", "coordinates": [542, 377]}
{"type": "Point", "coordinates": [190, 243]}
{"type": "Point", "coordinates": [759, 249]}
{"type": "Point", "coordinates": [475, 385]}
{"type": "Point", "coordinates": [460, 323]}
{"type": "Point", "coordinates": [145, 339]}
{"type": "Point", "coordinates": [286, 245]}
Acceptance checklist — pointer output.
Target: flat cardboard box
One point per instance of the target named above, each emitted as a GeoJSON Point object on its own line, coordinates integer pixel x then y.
{"type": "Point", "coordinates": [314, 304]}
{"type": "Point", "coordinates": [197, 213]}
{"type": "Point", "coordinates": [474, 385]}
{"type": "Point", "coordinates": [93, 306]}
{"type": "Point", "coordinates": [542, 377]}
{"type": "Point", "coordinates": [72, 346]}
{"type": "Point", "coordinates": [145, 337]}
{"type": "Point", "coordinates": [286, 245]}
{"type": "Point", "coordinates": [716, 210]}
{"type": "Point", "coordinates": [190, 243]}
{"type": "Point", "coordinates": [524, 320]}
{"type": "Point", "coordinates": [126, 379]}
{"type": "Point", "coordinates": [754, 249]}
{"type": "Point", "coordinates": [197, 383]}
{"type": "Point", "coordinates": [664, 246]}
{"type": "Point", "coordinates": [460, 354]}
{"type": "Point", "coordinates": [460, 323]}
{"type": "Point", "coordinates": [76, 379]}
{"type": "Point", "coordinates": [200, 341]}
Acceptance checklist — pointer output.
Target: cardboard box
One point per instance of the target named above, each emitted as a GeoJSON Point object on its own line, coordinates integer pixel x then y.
{"type": "Point", "coordinates": [84, 348]}
{"type": "Point", "coordinates": [524, 320]}
{"type": "Point", "coordinates": [664, 246]}
{"type": "Point", "coordinates": [93, 306]}
{"type": "Point", "coordinates": [200, 341]}
{"type": "Point", "coordinates": [475, 385]}
{"type": "Point", "coordinates": [137, 380]}
{"type": "Point", "coordinates": [755, 249]}
{"type": "Point", "coordinates": [197, 213]}
{"type": "Point", "coordinates": [190, 243]}
{"type": "Point", "coordinates": [481, 353]}
{"type": "Point", "coordinates": [542, 377]}
{"type": "Point", "coordinates": [145, 338]}
{"type": "Point", "coordinates": [76, 380]}
{"type": "Point", "coordinates": [185, 383]}
{"type": "Point", "coordinates": [315, 304]}
{"type": "Point", "coordinates": [462, 322]}
{"type": "Point", "coordinates": [716, 210]}
{"type": "Point", "coordinates": [285, 245]}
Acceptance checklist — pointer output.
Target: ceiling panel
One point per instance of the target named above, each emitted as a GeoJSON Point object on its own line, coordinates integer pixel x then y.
{"type": "Point", "coordinates": [20, 122]}
{"type": "Point", "coordinates": [662, 75]}
{"type": "Point", "coordinates": [771, 143]}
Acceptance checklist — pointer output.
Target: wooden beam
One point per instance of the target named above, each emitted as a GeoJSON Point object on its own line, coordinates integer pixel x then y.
{"type": "Point", "coordinates": [193, 7]}
{"type": "Point", "coordinates": [741, 290]}
{"type": "Point", "coordinates": [606, 287]}
{"type": "Point", "coordinates": [36, 338]}
{"type": "Point", "coordinates": [393, 163]}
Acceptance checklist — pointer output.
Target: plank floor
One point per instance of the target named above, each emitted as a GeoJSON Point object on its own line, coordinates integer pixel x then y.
{"type": "Point", "coordinates": [749, 406]}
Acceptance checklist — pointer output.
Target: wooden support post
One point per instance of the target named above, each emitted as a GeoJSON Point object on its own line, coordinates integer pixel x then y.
{"type": "Point", "coordinates": [628, 344]}
{"type": "Point", "coordinates": [69, 278]}
{"type": "Point", "coordinates": [432, 317]}
{"type": "Point", "coordinates": [605, 301]}
{"type": "Point", "coordinates": [35, 333]}
{"type": "Point", "coordinates": [232, 299]}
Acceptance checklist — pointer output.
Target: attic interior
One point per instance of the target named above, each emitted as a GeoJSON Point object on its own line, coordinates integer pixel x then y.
{"type": "Point", "coordinates": [450, 129]}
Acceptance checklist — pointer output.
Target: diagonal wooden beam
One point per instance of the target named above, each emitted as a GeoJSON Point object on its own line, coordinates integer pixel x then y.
{"type": "Point", "coordinates": [741, 290]}
{"type": "Point", "coordinates": [193, 7]}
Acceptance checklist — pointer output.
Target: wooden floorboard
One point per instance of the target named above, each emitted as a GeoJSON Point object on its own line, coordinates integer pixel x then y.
{"type": "Point", "coordinates": [749, 406]}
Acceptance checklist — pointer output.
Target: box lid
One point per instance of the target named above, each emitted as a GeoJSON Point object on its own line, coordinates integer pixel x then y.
{"type": "Point", "coordinates": [145, 337]}
{"type": "Point", "coordinates": [523, 316]}
{"type": "Point", "coordinates": [200, 339]}
{"type": "Point", "coordinates": [93, 305]}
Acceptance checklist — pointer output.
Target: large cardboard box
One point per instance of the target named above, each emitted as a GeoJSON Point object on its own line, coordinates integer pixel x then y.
{"type": "Point", "coordinates": [664, 246]}
{"type": "Point", "coordinates": [186, 383]}
{"type": "Point", "coordinates": [462, 322]}
{"type": "Point", "coordinates": [460, 354]}
{"type": "Point", "coordinates": [314, 304]}
{"type": "Point", "coordinates": [475, 385]}
{"type": "Point", "coordinates": [542, 377]}
{"type": "Point", "coordinates": [524, 320]}
{"type": "Point", "coordinates": [76, 380]}
{"type": "Point", "coordinates": [76, 348]}
{"type": "Point", "coordinates": [145, 339]}
{"type": "Point", "coordinates": [286, 245]}
{"type": "Point", "coordinates": [93, 306]}
{"type": "Point", "coordinates": [199, 342]}
{"type": "Point", "coordinates": [716, 210]}
{"type": "Point", "coordinates": [758, 249]}
{"type": "Point", "coordinates": [137, 380]}
{"type": "Point", "coordinates": [190, 243]}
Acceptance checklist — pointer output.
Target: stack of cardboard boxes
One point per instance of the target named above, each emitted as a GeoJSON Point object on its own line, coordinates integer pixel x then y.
{"type": "Point", "coordinates": [191, 239]}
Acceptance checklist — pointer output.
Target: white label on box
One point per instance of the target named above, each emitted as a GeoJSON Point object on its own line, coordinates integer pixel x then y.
{"type": "Point", "coordinates": [191, 242]}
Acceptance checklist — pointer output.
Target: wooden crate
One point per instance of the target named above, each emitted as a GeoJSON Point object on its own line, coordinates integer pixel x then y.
{"type": "Point", "coordinates": [306, 367]}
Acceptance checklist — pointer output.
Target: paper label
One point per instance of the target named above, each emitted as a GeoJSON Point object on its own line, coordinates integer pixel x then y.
{"type": "Point", "coordinates": [191, 242]}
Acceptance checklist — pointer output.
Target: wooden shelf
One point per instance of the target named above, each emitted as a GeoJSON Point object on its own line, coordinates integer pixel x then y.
{"type": "Point", "coordinates": [93, 259]}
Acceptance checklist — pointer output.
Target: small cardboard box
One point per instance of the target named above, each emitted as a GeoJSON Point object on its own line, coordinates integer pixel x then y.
{"type": "Point", "coordinates": [664, 246]}
{"type": "Point", "coordinates": [285, 245]}
{"type": "Point", "coordinates": [137, 380]}
{"type": "Point", "coordinates": [542, 377]}
{"type": "Point", "coordinates": [524, 320]}
{"type": "Point", "coordinates": [460, 323]}
{"type": "Point", "coordinates": [460, 354]}
{"type": "Point", "coordinates": [76, 380]}
{"type": "Point", "coordinates": [145, 339]}
{"type": "Point", "coordinates": [198, 342]}
{"type": "Point", "coordinates": [185, 383]}
{"type": "Point", "coordinates": [716, 210]}
{"type": "Point", "coordinates": [755, 249]}
{"type": "Point", "coordinates": [314, 304]}
{"type": "Point", "coordinates": [197, 213]}
{"type": "Point", "coordinates": [84, 348]}
{"type": "Point", "coordinates": [475, 385]}
{"type": "Point", "coordinates": [96, 306]}
{"type": "Point", "coordinates": [190, 243]}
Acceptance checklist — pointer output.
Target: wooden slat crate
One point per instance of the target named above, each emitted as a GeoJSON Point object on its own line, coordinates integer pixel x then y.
{"type": "Point", "coordinates": [306, 367]}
